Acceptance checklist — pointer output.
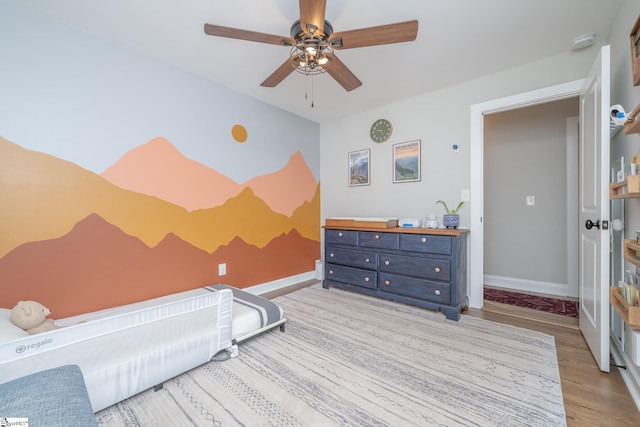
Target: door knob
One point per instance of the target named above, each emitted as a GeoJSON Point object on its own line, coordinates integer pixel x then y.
{"type": "Point", "coordinates": [590, 224]}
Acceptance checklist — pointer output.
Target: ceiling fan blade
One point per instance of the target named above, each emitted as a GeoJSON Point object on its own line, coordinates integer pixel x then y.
{"type": "Point", "coordinates": [343, 75]}
{"type": "Point", "coordinates": [375, 36]}
{"type": "Point", "coordinates": [278, 75]}
{"type": "Point", "coordinates": [253, 36]}
{"type": "Point", "coordinates": [312, 12]}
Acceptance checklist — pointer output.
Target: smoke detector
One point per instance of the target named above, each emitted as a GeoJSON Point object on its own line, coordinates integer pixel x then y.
{"type": "Point", "coordinates": [582, 41]}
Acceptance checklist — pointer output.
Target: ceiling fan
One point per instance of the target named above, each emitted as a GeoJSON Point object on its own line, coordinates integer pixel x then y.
{"type": "Point", "coordinates": [313, 42]}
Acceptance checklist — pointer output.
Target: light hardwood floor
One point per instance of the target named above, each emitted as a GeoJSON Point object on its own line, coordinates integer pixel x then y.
{"type": "Point", "coordinates": [591, 397]}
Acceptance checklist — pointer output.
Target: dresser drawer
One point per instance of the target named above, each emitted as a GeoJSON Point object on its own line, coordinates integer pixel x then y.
{"type": "Point", "coordinates": [341, 237]}
{"type": "Point", "coordinates": [373, 239]}
{"type": "Point", "coordinates": [428, 268]}
{"type": "Point", "coordinates": [416, 288]}
{"type": "Point", "coordinates": [354, 258]}
{"type": "Point", "coordinates": [427, 244]}
{"type": "Point", "coordinates": [351, 275]}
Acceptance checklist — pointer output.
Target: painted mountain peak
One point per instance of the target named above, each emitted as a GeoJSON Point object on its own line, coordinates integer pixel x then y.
{"type": "Point", "coordinates": [158, 169]}
{"type": "Point", "coordinates": [276, 189]}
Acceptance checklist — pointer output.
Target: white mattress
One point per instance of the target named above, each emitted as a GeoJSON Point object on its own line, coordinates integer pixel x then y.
{"type": "Point", "coordinates": [125, 350]}
{"type": "Point", "coordinates": [252, 314]}
{"type": "Point", "coordinates": [247, 322]}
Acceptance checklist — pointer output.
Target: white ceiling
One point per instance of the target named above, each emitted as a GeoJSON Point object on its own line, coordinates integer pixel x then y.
{"type": "Point", "coordinates": [457, 40]}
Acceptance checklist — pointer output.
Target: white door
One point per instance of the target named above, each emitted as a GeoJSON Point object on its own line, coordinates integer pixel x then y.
{"type": "Point", "coordinates": [594, 209]}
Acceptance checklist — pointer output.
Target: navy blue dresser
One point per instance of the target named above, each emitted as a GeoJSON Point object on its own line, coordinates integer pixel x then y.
{"type": "Point", "coordinates": [422, 267]}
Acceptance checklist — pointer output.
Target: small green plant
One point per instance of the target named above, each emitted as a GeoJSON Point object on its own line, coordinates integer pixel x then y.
{"type": "Point", "coordinates": [452, 211]}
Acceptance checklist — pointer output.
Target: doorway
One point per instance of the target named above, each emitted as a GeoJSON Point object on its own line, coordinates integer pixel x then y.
{"type": "Point", "coordinates": [530, 218]}
{"type": "Point", "coordinates": [478, 112]}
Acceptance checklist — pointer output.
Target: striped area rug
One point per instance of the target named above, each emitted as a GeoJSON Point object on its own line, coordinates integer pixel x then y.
{"type": "Point", "coordinates": [352, 360]}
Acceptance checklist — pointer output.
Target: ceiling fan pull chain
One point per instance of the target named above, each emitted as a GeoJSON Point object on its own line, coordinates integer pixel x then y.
{"type": "Point", "coordinates": [311, 91]}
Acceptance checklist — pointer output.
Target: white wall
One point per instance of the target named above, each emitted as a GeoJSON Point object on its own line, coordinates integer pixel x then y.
{"type": "Point", "coordinates": [440, 119]}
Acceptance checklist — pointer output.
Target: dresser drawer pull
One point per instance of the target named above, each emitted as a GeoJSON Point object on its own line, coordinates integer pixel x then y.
{"type": "Point", "coordinates": [331, 255]}
{"type": "Point", "coordinates": [387, 282]}
{"type": "Point", "coordinates": [340, 234]}
{"type": "Point", "coordinates": [423, 240]}
{"type": "Point", "coordinates": [387, 263]}
{"type": "Point", "coordinates": [367, 260]}
{"type": "Point", "coordinates": [377, 237]}
{"type": "Point", "coordinates": [366, 279]}
{"type": "Point", "coordinates": [330, 271]}
{"type": "Point", "coordinates": [437, 269]}
{"type": "Point", "coordinates": [437, 292]}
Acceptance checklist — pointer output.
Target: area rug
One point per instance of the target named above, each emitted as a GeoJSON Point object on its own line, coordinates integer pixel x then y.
{"type": "Point", "coordinates": [550, 305]}
{"type": "Point", "coordinates": [350, 360]}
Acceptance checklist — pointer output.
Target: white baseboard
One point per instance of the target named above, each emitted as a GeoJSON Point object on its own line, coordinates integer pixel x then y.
{"type": "Point", "coordinates": [630, 375]}
{"type": "Point", "coordinates": [558, 289]}
{"type": "Point", "coordinates": [280, 283]}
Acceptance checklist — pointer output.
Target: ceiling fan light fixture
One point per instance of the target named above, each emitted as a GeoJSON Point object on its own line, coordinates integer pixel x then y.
{"type": "Point", "coordinates": [311, 60]}
{"type": "Point", "coordinates": [311, 48]}
{"type": "Point", "coordinates": [312, 53]}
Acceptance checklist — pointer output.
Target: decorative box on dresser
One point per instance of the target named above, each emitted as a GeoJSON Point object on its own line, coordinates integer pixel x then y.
{"type": "Point", "coordinates": [417, 266]}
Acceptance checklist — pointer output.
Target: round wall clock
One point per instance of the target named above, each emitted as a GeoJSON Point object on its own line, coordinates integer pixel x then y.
{"type": "Point", "coordinates": [381, 130]}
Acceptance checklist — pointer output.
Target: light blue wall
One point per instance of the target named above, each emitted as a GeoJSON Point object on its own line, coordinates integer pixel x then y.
{"type": "Point", "coordinates": [90, 101]}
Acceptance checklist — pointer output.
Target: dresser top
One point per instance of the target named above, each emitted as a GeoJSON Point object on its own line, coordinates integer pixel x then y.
{"type": "Point", "coordinates": [405, 230]}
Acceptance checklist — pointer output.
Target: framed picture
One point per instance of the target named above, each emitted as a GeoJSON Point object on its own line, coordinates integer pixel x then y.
{"type": "Point", "coordinates": [635, 53]}
{"type": "Point", "coordinates": [359, 168]}
{"type": "Point", "coordinates": [406, 161]}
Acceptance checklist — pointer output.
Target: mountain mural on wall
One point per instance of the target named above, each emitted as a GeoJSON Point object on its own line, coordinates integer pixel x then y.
{"type": "Point", "coordinates": [158, 169]}
{"type": "Point", "coordinates": [69, 231]}
{"type": "Point", "coordinates": [100, 266]}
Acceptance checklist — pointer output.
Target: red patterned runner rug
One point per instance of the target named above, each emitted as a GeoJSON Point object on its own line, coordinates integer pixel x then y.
{"type": "Point", "coordinates": [550, 305]}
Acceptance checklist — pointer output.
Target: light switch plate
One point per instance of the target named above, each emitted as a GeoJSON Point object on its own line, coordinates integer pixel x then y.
{"type": "Point", "coordinates": [531, 200]}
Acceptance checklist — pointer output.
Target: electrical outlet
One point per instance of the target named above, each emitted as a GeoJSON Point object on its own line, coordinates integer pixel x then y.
{"type": "Point", "coordinates": [222, 269]}
{"type": "Point", "coordinates": [531, 200]}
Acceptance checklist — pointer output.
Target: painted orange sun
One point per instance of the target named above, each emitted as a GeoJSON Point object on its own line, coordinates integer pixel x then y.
{"type": "Point", "coordinates": [239, 133]}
